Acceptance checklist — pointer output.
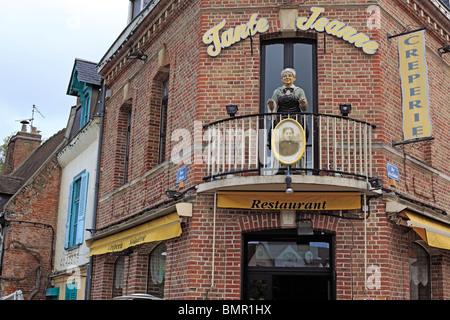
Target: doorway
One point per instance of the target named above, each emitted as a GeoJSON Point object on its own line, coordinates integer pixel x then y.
{"type": "Point", "coordinates": [282, 265]}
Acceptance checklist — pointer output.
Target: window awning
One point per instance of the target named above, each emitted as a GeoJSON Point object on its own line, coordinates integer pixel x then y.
{"type": "Point", "coordinates": [163, 228]}
{"type": "Point", "coordinates": [434, 233]}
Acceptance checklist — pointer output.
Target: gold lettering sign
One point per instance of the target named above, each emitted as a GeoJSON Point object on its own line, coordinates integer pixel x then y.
{"type": "Point", "coordinates": [315, 201]}
{"type": "Point", "coordinates": [338, 29]}
{"type": "Point", "coordinates": [233, 35]}
{"type": "Point", "coordinates": [335, 28]}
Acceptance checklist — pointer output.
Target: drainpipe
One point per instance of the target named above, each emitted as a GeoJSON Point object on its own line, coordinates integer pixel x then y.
{"type": "Point", "coordinates": [213, 247]}
{"type": "Point", "coordinates": [97, 181]}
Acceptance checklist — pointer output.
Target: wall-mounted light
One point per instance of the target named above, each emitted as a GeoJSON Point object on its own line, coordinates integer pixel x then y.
{"type": "Point", "coordinates": [172, 194]}
{"type": "Point", "coordinates": [137, 55]}
{"type": "Point", "coordinates": [232, 109]}
{"type": "Point", "coordinates": [304, 227]}
{"type": "Point", "coordinates": [345, 109]}
{"type": "Point", "coordinates": [376, 183]}
{"type": "Point", "coordinates": [444, 49]}
{"type": "Point", "coordinates": [289, 189]}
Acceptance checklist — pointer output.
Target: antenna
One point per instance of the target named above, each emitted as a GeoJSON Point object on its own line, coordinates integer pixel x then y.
{"type": "Point", "coordinates": [32, 114]}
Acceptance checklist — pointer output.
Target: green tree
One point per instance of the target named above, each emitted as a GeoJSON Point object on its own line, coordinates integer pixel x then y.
{"type": "Point", "coordinates": [3, 150]}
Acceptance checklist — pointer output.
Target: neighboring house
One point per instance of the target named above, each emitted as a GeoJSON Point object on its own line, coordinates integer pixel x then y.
{"type": "Point", "coordinates": [29, 196]}
{"type": "Point", "coordinates": [78, 161]}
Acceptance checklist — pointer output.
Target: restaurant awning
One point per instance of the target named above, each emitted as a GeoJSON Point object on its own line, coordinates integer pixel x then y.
{"type": "Point", "coordinates": [434, 233]}
{"type": "Point", "coordinates": [163, 228]}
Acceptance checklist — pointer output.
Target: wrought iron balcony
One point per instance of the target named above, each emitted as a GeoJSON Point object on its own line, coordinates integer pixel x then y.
{"type": "Point", "coordinates": [335, 146]}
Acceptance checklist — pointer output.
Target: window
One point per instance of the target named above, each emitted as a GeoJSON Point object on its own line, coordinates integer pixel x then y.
{"type": "Point", "coordinates": [419, 273]}
{"type": "Point", "coordinates": [123, 144]}
{"type": "Point", "coordinates": [119, 267]}
{"type": "Point", "coordinates": [163, 124]}
{"type": "Point", "coordinates": [127, 147]}
{"type": "Point", "coordinates": [301, 55]}
{"type": "Point", "coordinates": [446, 2]}
{"type": "Point", "coordinates": [137, 6]}
{"type": "Point", "coordinates": [157, 271]}
{"type": "Point", "coordinates": [85, 100]}
{"type": "Point", "coordinates": [76, 211]}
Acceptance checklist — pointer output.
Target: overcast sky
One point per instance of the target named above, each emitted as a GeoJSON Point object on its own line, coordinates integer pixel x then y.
{"type": "Point", "coordinates": [39, 41]}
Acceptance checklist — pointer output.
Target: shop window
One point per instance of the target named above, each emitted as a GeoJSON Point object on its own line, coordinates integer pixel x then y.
{"type": "Point", "coordinates": [157, 271]}
{"type": "Point", "coordinates": [76, 211]}
{"type": "Point", "coordinates": [119, 268]}
{"type": "Point", "coordinates": [419, 273]}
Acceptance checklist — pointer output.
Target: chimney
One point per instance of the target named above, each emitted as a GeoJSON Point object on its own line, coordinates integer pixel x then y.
{"type": "Point", "coordinates": [20, 146]}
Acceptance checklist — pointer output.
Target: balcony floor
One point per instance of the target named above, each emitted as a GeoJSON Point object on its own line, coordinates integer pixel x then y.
{"type": "Point", "coordinates": [300, 183]}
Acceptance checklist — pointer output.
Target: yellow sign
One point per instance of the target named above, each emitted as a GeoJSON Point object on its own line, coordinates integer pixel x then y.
{"type": "Point", "coordinates": [288, 141]}
{"type": "Point", "coordinates": [315, 201]}
{"type": "Point", "coordinates": [163, 228]}
{"type": "Point", "coordinates": [414, 77]}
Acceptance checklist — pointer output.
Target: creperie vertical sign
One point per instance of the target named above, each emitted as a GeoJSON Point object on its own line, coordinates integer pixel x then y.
{"type": "Point", "coordinates": [218, 40]}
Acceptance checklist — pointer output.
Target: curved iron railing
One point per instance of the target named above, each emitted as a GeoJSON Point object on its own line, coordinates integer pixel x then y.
{"type": "Point", "coordinates": [335, 145]}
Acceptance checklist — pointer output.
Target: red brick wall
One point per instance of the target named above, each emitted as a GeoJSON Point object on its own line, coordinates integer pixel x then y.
{"type": "Point", "coordinates": [29, 244]}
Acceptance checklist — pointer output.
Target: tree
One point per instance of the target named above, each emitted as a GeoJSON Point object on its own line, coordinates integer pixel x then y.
{"type": "Point", "coordinates": [3, 151]}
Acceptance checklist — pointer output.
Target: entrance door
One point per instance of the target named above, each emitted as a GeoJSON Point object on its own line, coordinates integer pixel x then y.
{"type": "Point", "coordinates": [281, 265]}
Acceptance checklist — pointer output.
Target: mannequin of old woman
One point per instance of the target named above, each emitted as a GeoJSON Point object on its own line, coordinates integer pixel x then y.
{"type": "Point", "coordinates": [288, 98]}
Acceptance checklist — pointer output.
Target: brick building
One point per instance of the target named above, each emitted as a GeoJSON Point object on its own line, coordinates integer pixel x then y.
{"type": "Point", "coordinates": [197, 201]}
{"type": "Point", "coordinates": [29, 196]}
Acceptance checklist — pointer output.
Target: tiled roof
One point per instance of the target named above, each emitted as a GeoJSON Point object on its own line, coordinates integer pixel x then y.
{"type": "Point", "coordinates": [87, 72]}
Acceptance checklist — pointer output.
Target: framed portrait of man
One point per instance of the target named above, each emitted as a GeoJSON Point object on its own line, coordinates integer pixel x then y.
{"type": "Point", "coordinates": [288, 141]}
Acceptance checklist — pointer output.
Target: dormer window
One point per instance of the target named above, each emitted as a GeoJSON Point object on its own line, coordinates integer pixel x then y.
{"type": "Point", "coordinates": [136, 6]}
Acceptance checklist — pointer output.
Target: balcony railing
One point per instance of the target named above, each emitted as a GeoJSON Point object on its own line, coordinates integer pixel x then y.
{"type": "Point", "coordinates": [335, 145]}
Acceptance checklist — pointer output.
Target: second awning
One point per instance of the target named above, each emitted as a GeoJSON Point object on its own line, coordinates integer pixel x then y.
{"type": "Point", "coordinates": [163, 228]}
{"type": "Point", "coordinates": [434, 233]}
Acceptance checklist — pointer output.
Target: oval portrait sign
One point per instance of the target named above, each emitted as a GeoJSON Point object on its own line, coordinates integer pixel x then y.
{"type": "Point", "coordinates": [288, 141]}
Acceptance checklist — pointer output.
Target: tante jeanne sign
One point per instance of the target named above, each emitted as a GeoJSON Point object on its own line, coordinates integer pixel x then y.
{"type": "Point", "coordinates": [218, 41]}
{"type": "Point", "coordinates": [314, 201]}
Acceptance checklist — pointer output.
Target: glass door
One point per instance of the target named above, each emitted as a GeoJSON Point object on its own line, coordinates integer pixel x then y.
{"type": "Point", "coordinates": [282, 265]}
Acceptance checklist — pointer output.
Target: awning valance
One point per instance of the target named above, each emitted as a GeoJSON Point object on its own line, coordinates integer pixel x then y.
{"type": "Point", "coordinates": [434, 233]}
{"type": "Point", "coordinates": [163, 228]}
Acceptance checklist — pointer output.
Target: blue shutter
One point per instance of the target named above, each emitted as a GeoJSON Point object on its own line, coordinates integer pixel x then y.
{"type": "Point", "coordinates": [69, 217]}
{"type": "Point", "coordinates": [82, 207]}
{"type": "Point", "coordinates": [71, 291]}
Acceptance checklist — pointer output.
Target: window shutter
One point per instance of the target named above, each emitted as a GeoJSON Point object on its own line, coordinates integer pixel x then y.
{"type": "Point", "coordinates": [69, 217]}
{"type": "Point", "coordinates": [71, 291]}
{"type": "Point", "coordinates": [82, 207]}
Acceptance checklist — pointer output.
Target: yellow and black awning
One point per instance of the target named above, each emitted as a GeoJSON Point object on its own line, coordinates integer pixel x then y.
{"type": "Point", "coordinates": [163, 228]}
{"type": "Point", "coordinates": [434, 233]}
